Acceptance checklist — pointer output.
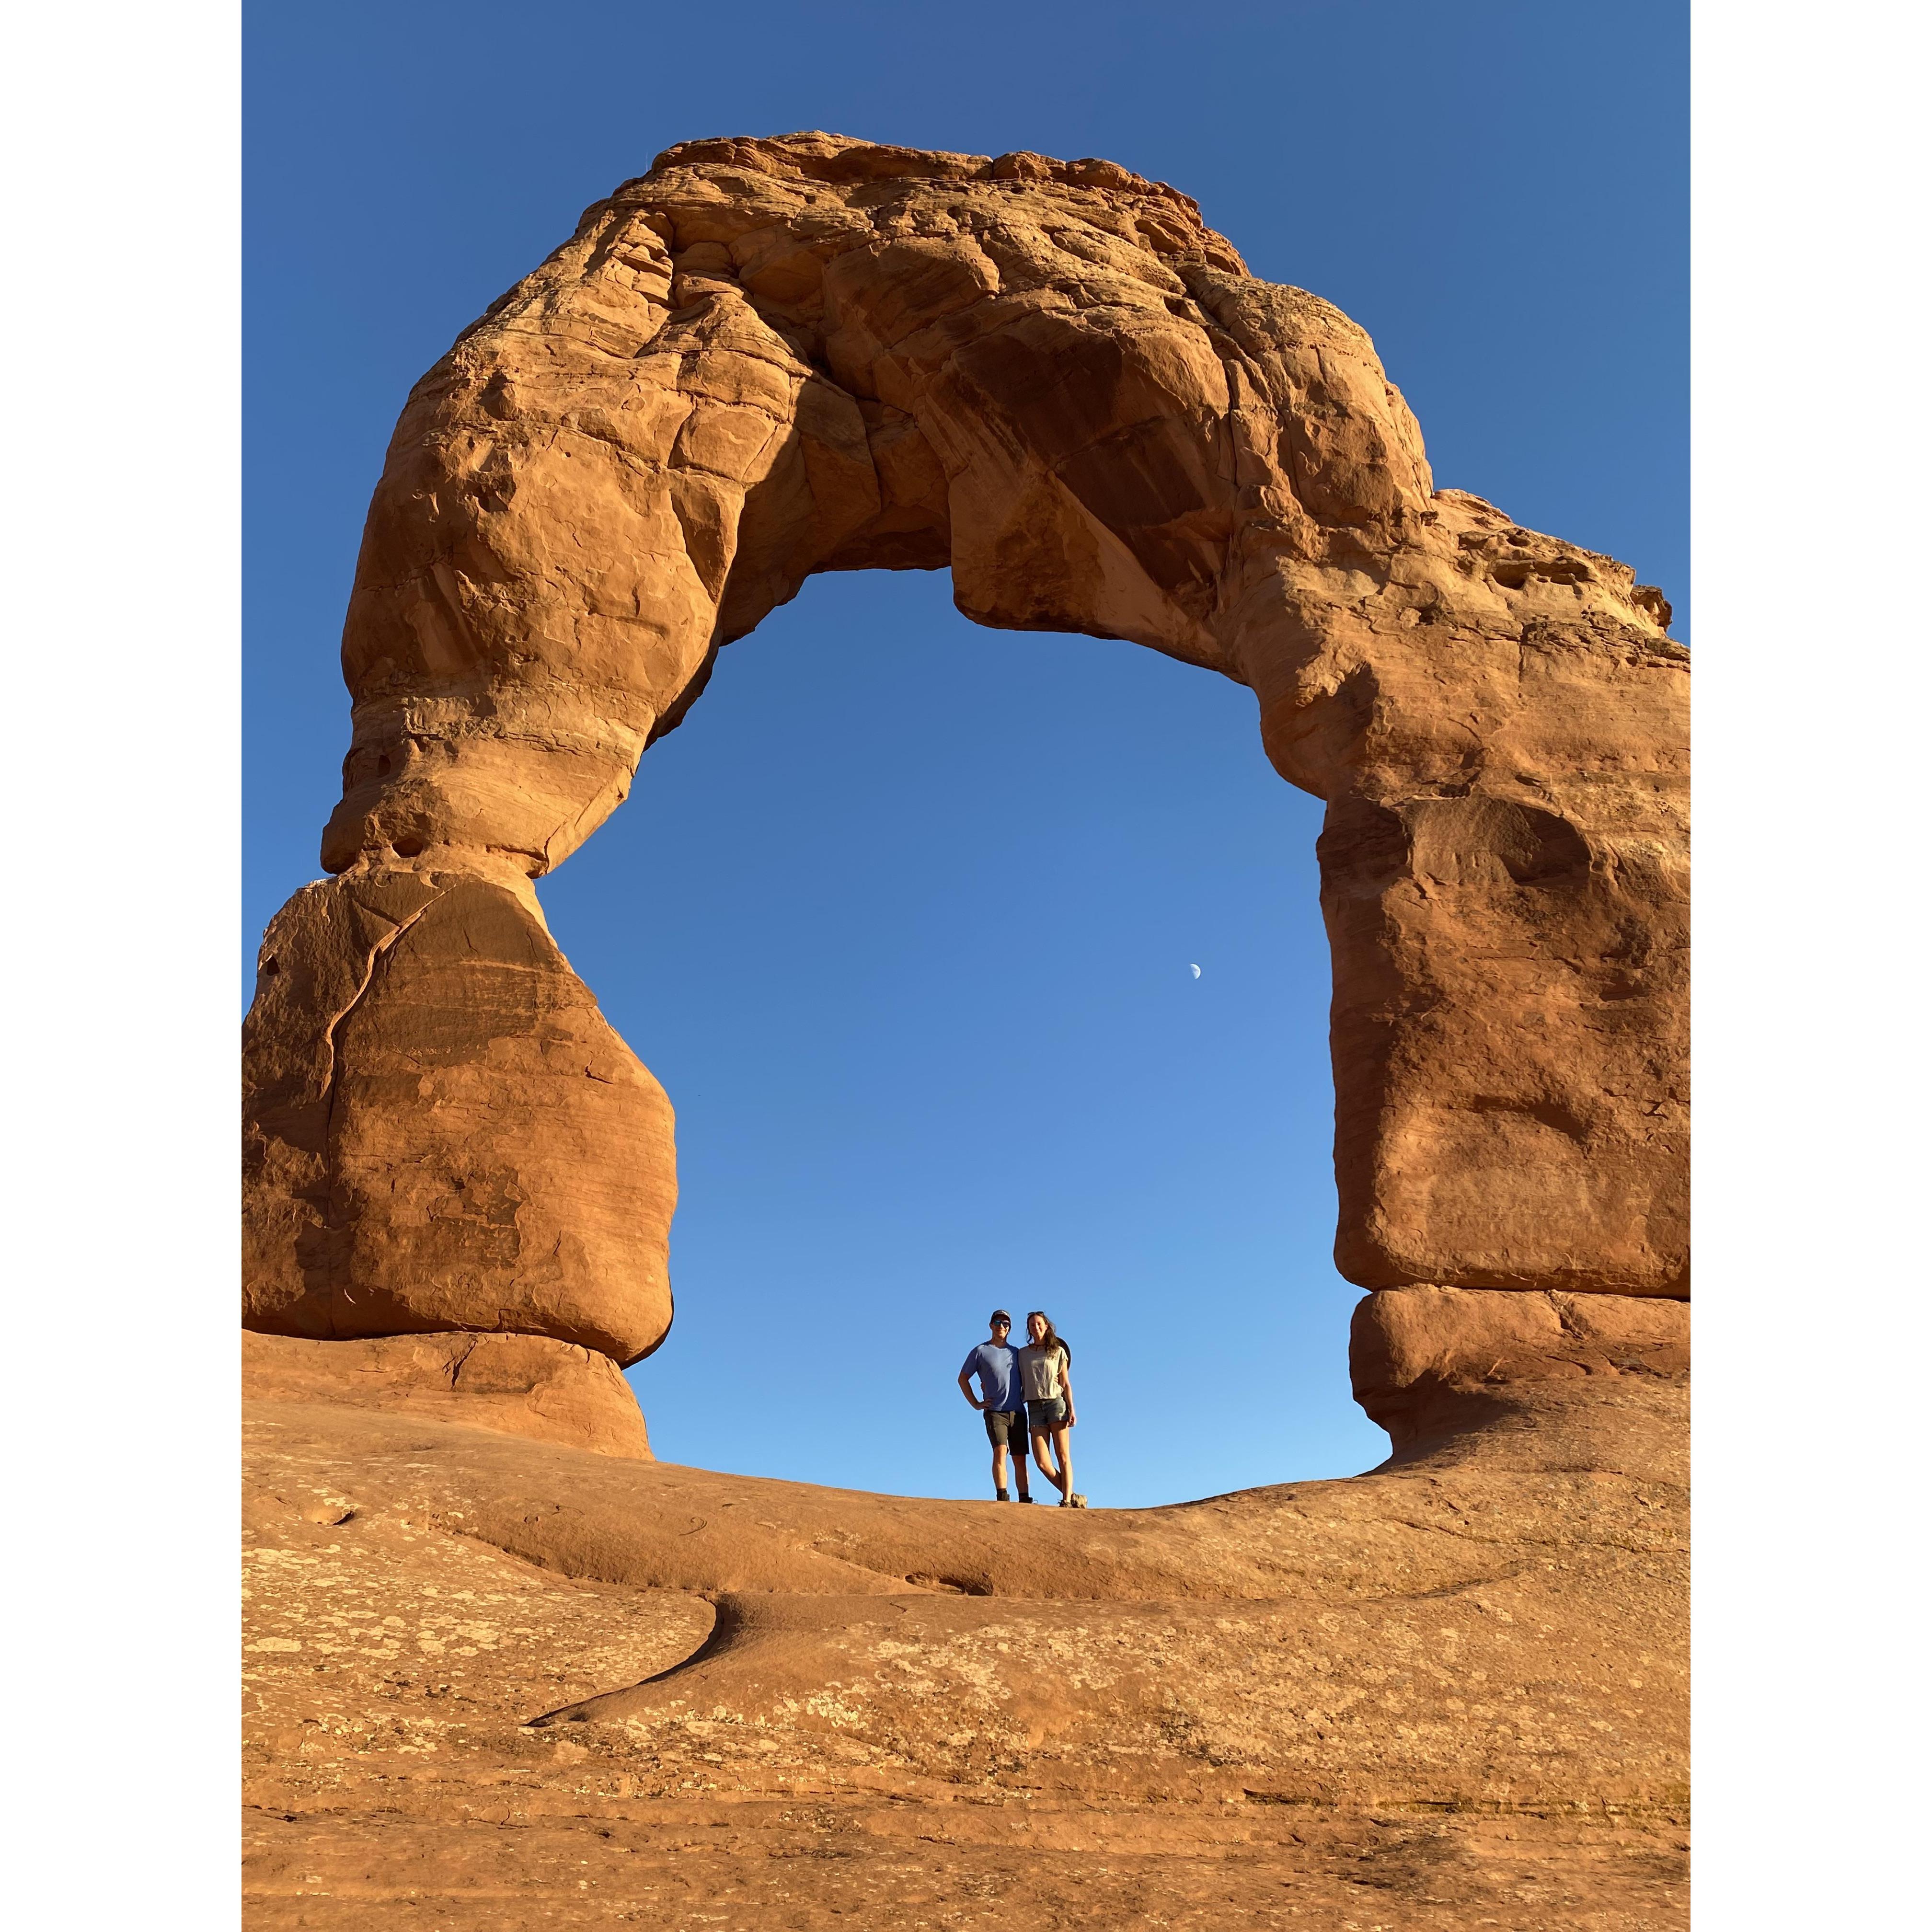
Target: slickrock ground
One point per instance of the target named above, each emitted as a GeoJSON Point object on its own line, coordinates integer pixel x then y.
{"type": "Point", "coordinates": [1447, 1694]}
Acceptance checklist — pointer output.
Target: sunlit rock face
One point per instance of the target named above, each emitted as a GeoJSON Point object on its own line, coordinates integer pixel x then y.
{"type": "Point", "coordinates": [443, 1132]}
{"type": "Point", "coordinates": [769, 358]}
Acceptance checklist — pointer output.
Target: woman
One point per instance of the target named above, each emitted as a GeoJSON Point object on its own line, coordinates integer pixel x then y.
{"type": "Point", "coordinates": [1044, 1362]}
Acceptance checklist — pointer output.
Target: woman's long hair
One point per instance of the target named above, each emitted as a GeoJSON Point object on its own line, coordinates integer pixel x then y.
{"type": "Point", "coordinates": [1052, 1339]}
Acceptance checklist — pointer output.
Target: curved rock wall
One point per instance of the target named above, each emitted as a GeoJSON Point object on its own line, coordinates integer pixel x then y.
{"type": "Point", "coordinates": [768, 358]}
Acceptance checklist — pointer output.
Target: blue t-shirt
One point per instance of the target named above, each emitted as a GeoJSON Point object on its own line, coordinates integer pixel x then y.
{"type": "Point", "coordinates": [997, 1367]}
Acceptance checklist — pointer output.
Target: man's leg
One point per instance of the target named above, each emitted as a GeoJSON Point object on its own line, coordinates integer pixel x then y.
{"type": "Point", "coordinates": [1021, 1483]}
{"type": "Point", "coordinates": [995, 1437]}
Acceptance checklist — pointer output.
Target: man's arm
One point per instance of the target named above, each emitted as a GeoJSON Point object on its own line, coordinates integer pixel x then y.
{"type": "Point", "coordinates": [966, 1389]}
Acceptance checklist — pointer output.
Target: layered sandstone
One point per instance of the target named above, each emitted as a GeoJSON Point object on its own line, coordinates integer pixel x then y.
{"type": "Point", "coordinates": [493, 1683]}
{"type": "Point", "coordinates": [527, 1385]}
{"type": "Point", "coordinates": [768, 358]}
{"type": "Point", "coordinates": [1443, 1366]}
{"type": "Point", "coordinates": [442, 1131]}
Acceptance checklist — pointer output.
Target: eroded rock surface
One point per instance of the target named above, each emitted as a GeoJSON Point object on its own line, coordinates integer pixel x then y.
{"type": "Point", "coordinates": [528, 1385]}
{"type": "Point", "coordinates": [491, 1682]}
{"type": "Point", "coordinates": [1438, 1367]}
{"type": "Point", "coordinates": [442, 1131]}
{"type": "Point", "coordinates": [768, 358]}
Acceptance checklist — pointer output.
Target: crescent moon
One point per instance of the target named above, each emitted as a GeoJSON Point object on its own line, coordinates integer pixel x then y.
{"type": "Point", "coordinates": [1195, 971]}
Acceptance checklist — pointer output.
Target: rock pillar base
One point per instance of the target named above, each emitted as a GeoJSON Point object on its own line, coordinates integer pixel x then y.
{"type": "Point", "coordinates": [1540, 1379]}
{"type": "Point", "coordinates": [528, 1385]}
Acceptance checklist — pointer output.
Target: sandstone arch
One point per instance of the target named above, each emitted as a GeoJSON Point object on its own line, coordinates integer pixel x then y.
{"type": "Point", "coordinates": [769, 358]}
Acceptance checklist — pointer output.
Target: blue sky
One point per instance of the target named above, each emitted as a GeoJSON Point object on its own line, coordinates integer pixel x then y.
{"type": "Point", "coordinates": [902, 915]}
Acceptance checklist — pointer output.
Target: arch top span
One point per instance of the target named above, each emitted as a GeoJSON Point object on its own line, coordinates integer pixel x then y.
{"type": "Point", "coordinates": [768, 358]}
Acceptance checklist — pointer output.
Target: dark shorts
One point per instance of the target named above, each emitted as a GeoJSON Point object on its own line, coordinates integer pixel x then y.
{"type": "Point", "coordinates": [1006, 1428]}
{"type": "Point", "coordinates": [1048, 1415]}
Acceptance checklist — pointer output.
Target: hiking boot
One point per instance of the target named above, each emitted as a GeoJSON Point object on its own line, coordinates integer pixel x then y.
{"type": "Point", "coordinates": [1026, 1495]}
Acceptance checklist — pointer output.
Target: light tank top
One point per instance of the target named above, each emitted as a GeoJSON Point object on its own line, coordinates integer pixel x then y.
{"type": "Point", "coordinates": [1040, 1372]}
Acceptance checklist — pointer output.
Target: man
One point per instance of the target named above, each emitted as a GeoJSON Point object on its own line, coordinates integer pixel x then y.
{"type": "Point", "coordinates": [1000, 1402]}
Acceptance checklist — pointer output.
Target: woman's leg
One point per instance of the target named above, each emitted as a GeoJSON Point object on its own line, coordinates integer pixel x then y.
{"type": "Point", "coordinates": [1063, 1448]}
{"type": "Point", "coordinates": [1041, 1456]}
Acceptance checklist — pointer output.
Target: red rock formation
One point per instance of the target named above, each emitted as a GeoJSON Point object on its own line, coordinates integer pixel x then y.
{"type": "Point", "coordinates": [1432, 1366]}
{"type": "Point", "coordinates": [770, 357]}
{"type": "Point", "coordinates": [1456, 1681]}
{"type": "Point", "coordinates": [525, 1385]}
{"type": "Point", "coordinates": [443, 1132]}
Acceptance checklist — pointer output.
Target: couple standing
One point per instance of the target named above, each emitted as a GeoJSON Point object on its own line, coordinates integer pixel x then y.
{"type": "Point", "coordinates": [1025, 1392]}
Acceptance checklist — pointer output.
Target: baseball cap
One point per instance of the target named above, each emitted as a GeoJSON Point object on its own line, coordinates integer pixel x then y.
{"type": "Point", "coordinates": [1000, 1315]}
